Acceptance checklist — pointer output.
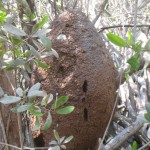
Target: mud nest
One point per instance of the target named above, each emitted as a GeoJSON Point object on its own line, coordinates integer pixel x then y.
{"type": "Point", "coordinates": [85, 73]}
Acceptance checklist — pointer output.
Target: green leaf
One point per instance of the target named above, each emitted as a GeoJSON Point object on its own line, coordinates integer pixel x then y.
{"type": "Point", "coordinates": [36, 86]}
{"type": "Point", "coordinates": [56, 135]}
{"type": "Point", "coordinates": [19, 91]}
{"type": "Point", "coordinates": [134, 62]}
{"type": "Point", "coordinates": [35, 110]}
{"type": "Point", "coordinates": [60, 101]}
{"type": "Point", "coordinates": [37, 124]}
{"type": "Point", "coordinates": [130, 38]}
{"type": "Point", "coordinates": [134, 145]}
{"type": "Point", "coordinates": [41, 32]}
{"type": "Point", "coordinates": [23, 108]}
{"type": "Point", "coordinates": [34, 52]}
{"type": "Point", "coordinates": [48, 122]}
{"type": "Point", "coordinates": [68, 139]}
{"type": "Point", "coordinates": [147, 116]}
{"type": "Point", "coordinates": [10, 99]}
{"type": "Point", "coordinates": [115, 39]}
{"type": "Point", "coordinates": [39, 25]}
{"type": "Point", "coordinates": [1, 92]}
{"type": "Point", "coordinates": [66, 110]}
{"type": "Point", "coordinates": [147, 46]}
{"type": "Point", "coordinates": [50, 53]}
{"type": "Point", "coordinates": [54, 148]}
{"type": "Point", "coordinates": [13, 30]}
{"type": "Point", "coordinates": [2, 17]}
{"type": "Point", "coordinates": [41, 64]}
{"type": "Point", "coordinates": [137, 47]}
{"type": "Point", "coordinates": [35, 93]}
{"type": "Point", "coordinates": [46, 42]}
{"type": "Point", "coordinates": [147, 107]}
{"type": "Point", "coordinates": [46, 100]}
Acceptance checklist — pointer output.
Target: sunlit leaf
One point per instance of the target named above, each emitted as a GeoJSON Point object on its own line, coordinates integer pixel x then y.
{"type": "Point", "coordinates": [130, 38]}
{"type": "Point", "coordinates": [48, 122]}
{"type": "Point", "coordinates": [115, 39]}
{"type": "Point", "coordinates": [56, 135]}
{"type": "Point", "coordinates": [68, 139]}
{"type": "Point", "coordinates": [66, 110]}
{"type": "Point", "coordinates": [134, 145]}
{"type": "Point", "coordinates": [54, 148]}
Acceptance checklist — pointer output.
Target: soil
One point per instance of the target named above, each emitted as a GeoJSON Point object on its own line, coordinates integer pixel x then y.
{"type": "Point", "coordinates": [85, 72]}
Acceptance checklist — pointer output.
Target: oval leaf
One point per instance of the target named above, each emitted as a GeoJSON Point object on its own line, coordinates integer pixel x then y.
{"type": "Point", "coordinates": [60, 101]}
{"type": "Point", "coordinates": [48, 122]}
{"type": "Point", "coordinates": [115, 39]}
{"type": "Point", "coordinates": [46, 42]}
{"type": "Point", "coordinates": [9, 99]}
{"type": "Point", "coordinates": [54, 148]}
{"type": "Point", "coordinates": [19, 91]}
{"type": "Point", "coordinates": [66, 110]}
{"type": "Point", "coordinates": [68, 139]}
{"type": "Point", "coordinates": [23, 108]}
{"type": "Point", "coordinates": [13, 30]}
{"type": "Point", "coordinates": [35, 87]}
{"type": "Point", "coordinates": [35, 93]}
{"type": "Point", "coordinates": [34, 52]}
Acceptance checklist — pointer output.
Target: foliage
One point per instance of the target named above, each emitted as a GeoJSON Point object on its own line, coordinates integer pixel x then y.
{"type": "Point", "coordinates": [138, 48]}
{"type": "Point", "coordinates": [59, 142]}
{"type": "Point", "coordinates": [22, 52]}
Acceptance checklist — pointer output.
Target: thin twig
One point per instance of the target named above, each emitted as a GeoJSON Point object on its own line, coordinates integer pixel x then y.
{"type": "Point", "coordinates": [30, 148]}
{"type": "Point", "coordinates": [10, 145]}
{"type": "Point", "coordinates": [3, 130]}
{"type": "Point", "coordinates": [142, 148]}
{"type": "Point", "coordinates": [117, 26]}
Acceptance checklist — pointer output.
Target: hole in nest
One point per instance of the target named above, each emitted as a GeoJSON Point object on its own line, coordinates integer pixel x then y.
{"type": "Point", "coordinates": [39, 141]}
{"type": "Point", "coordinates": [85, 114]}
{"type": "Point", "coordinates": [67, 25]}
{"type": "Point", "coordinates": [83, 99]}
{"type": "Point", "coordinates": [85, 86]}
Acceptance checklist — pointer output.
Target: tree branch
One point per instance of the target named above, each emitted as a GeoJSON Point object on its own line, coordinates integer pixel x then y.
{"type": "Point", "coordinates": [117, 26]}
